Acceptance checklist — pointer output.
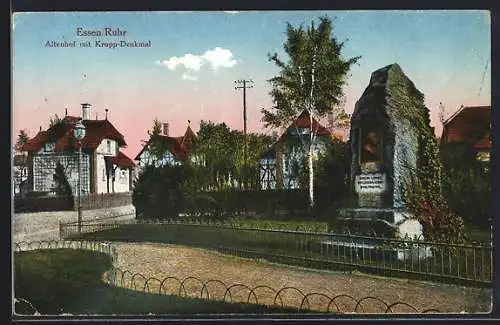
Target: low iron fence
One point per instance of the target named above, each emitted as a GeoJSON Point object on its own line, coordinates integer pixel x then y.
{"type": "Point", "coordinates": [54, 202]}
{"type": "Point", "coordinates": [217, 290]}
{"type": "Point", "coordinates": [99, 223]}
{"type": "Point", "coordinates": [456, 263]}
{"type": "Point", "coordinates": [103, 247]}
{"type": "Point", "coordinates": [24, 307]}
{"type": "Point", "coordinates": [285, 297]}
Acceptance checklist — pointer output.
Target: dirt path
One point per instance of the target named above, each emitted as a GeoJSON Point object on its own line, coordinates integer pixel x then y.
{"type": "Point", "coordinates": [161, 261]}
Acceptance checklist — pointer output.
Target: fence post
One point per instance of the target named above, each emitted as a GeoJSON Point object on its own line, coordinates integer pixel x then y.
{"type": "Point", "coordinates": [60, 231]}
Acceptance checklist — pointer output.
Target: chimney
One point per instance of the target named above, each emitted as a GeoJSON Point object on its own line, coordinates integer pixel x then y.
{"type": "Point", "coordinates": [165, 129]}
{"type": "Point", "coordinates": [86, 111]}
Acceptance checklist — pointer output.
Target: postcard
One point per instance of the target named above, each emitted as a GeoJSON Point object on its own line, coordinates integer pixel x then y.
{"type": "Point", "coordinates": [251, 163]}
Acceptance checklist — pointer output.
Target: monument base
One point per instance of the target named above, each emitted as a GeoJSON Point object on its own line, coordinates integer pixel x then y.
{"type": "Point", "coordinates": [378, 222]}
{"type": "Point", "coordinates": [364, 250]}
{"type": "Point", "coordinates": [368, 228]}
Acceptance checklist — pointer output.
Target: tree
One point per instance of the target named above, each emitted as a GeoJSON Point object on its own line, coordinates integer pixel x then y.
{"type": "Point", "coordinates": [155, 146]}
{"type": "Point", "coordinates": [55, 120]}
{"type": "Point", "coordinates": [215, 154]}
{"type": "Point", "coordinates": [63, 188]}
{"type": "Point", "coordinates": [311, 80]}
{"type": "Point", "coordinates": [467, 183]}
{"type": "Point", "coordinates": [22, 138]}
{"type": "Point", "coordinates": [219, 157]}
{"type": "Point", "coordinates": [158, 191]}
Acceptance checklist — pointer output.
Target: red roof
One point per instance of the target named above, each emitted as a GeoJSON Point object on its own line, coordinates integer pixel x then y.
{"type": "Point", "coordinates": [471, 125]}
{"type": "Point", "coordinates": [62, 134]}
{"type": "Point", "coordinates": [304, 122]}
{"type": "Point", "coordinates": [121, 160]}
{"type": "Point", "coordinates": [178, 146]}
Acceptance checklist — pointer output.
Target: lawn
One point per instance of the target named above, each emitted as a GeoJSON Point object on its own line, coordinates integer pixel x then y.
{"type": "Point", "coordinates": [70, 281]}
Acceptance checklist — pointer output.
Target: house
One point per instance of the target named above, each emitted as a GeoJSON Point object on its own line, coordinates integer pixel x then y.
{"type": "Point", "coordinates": [280, 165]}
{"type": "Point", "coordinates": [104, 168]}
{"type": "Point", "coordinates": [470, 126]}
{"type": "Point", "coordinates": [176, 149]}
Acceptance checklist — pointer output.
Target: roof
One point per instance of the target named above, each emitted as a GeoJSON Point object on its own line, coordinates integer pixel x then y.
{"type": "Point", "coordinates": [188, 140]}
{"type": "Point", "coordinates": [470, 125]}
{"type": "Point", "coordinates": [178, 146]}
{"type": "Point", "coordinates": [62, 134]}
{"type": "Point", "coordinates": [121, 160]}
{"type": "Point", "coordinates": [304, 122]}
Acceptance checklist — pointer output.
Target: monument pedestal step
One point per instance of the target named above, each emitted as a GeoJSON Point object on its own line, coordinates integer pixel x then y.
{"type": "Point", "coordinates": [370, 251]}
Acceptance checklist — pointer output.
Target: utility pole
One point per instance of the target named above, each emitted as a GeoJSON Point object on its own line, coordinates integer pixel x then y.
{"type": "Point", "coordinates": [244, 84]}
{"type": "Point", "coordinates": [441, 113]}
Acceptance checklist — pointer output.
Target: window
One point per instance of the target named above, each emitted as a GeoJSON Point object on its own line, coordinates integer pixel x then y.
{"type": "Point", "coordinates": [108, 143]}
{"type": "Point", "coordinates": [104, 174]}
{"type": "Point", "coordinates": [49, 146]}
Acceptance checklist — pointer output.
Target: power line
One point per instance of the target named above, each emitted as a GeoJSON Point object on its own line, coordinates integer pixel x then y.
{"type": "Point", "coordinates": [482, 78]}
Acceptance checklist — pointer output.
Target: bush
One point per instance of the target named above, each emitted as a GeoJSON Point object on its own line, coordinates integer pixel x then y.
{"type": "Point", "coordinates": [467, 184]}
{"type": "Point", "coordinates": [158, 191]}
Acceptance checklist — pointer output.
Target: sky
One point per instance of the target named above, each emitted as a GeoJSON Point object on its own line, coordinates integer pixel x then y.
{"type": "Point", "coordinates": [189, 70]}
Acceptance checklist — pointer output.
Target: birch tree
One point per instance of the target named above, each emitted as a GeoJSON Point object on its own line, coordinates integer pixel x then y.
{"type": "Point", "coordinates": [312, 79]}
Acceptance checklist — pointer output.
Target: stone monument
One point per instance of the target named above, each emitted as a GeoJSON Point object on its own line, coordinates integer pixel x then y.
{"type": "Point", "coordinates": [384, 148]}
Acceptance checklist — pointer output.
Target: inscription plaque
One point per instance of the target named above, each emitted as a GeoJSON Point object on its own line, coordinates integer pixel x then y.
{"type": "Point", "coordinates": [370, 183]}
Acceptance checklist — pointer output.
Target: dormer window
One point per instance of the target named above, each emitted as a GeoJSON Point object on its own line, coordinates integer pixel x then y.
{"type": "Point", "coordinates": [108, 143]}
{"type": "Point", "coordinates": [49, 147]}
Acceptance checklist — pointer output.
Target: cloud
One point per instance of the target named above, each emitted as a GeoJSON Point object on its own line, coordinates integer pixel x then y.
{"type": "Point", "coordinates": [189, 61]}
{"type": "Point", "coordinates": [185, 76]}
{"type": "Point", "coordinates": [216, 58]}
{"type": "Point", "coordinates": [219, 57]}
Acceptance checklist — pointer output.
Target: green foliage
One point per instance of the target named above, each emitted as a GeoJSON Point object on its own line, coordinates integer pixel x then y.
{"type": "Point", "coordinates": [22, 138]}
{"type": "Point", "coordinates": [220, 159]}
{"type": "Point", "coordinates": [53, 121]}
{"type": "Point", "coordinates": [51, 279]}
{"type": "Point", "coordinates": [229, 203]}
{"type": "Point", "coordinates": [158, 191]}
{"type": "Point", "coordinates": [63, 188]}
{"type": "Point", "coordinates": [156, 146]}
{"type": "Point", "coordinates": [331, 170]}
{"type": "Point", "coordinates": [330, 182]}
{"type": "Point", "coordinates": [467, 184]}
{"type": "Point", "coordinates": [313, 76]}
{"type": "Point", "coordinates": [423, 195]}
{"type": "Point", "coordinates": [312, 79]}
